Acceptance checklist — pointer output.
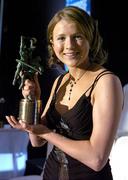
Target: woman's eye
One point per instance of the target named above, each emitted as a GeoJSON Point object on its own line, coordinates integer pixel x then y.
{"type": "Point", "coordinates": [78, 37]}
{"type": "Point", "coordinates": [61, 38]}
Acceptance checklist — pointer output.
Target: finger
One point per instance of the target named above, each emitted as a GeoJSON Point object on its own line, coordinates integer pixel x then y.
{"type": "Point", "coordinates": [28, 81]}
{"type": "Point", "coordinates": [25, 126]}
{"type": "Point", "coordinates": [11, 120]}
{"type": "Point", "coordinates": [29, 86]}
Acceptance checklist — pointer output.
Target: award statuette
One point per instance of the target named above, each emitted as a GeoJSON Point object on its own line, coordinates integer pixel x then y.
{"type": "Point", "coordinates": [27, 66]}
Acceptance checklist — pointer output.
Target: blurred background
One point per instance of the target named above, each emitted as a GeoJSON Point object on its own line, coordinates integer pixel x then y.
{"type": "Point", "coordinates": [30, 18]}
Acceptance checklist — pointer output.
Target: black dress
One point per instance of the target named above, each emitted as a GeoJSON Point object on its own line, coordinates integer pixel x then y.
{"type": "Point", "coordinates": [75, 124]}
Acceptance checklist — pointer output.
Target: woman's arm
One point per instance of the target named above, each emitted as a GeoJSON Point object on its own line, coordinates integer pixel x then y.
{"type": "Point", "coordinates": [36, 140]}
{"type": "Point", "coordinates": [107, 100]}
{"type": "Point", "coordinates": [32, 88]}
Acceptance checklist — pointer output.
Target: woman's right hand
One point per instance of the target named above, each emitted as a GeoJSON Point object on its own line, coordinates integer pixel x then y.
{"type": "Point", "coordinates": [31, 88]}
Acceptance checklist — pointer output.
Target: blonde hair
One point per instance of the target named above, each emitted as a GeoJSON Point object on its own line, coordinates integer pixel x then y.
{"type": "Point", "coordinates": [89, 27]}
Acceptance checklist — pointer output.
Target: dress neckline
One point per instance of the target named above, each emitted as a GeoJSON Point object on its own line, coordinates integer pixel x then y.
{"type": "Point", "coordinates": [91, 87]}
{"type": "Point", "coordinates": [83, 96]}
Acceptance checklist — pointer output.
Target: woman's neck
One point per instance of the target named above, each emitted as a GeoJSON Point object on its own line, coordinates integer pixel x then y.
{"type": "Point", "coordinates": [77, 72]}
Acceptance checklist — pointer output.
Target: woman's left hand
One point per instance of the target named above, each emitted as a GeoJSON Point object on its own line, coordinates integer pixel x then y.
{"type": "Point", "coordinates": [21, 125]}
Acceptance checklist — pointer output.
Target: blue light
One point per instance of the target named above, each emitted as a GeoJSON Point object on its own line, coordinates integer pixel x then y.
{"type": "Point", "coordinates": [20, 160]}
{"type": "Point", "coordinates": [12, 162]}
{"type": "Point", "coordinates": [65, 68]}
{"type": "Point", "coordinates": [83, 4]}
{"type": "Point", "coordinates": [6, 162]}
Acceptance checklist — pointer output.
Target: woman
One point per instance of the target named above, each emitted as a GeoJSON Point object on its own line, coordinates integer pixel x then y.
{"type": "Point", "coordinates": [82, 114]}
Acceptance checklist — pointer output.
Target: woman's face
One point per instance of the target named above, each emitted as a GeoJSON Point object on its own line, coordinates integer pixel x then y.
{"type": "Point", "coordinates": [70, 44]}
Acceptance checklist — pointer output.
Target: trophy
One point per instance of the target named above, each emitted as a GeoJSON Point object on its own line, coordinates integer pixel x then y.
{"type": "Point", "coordinates": [27, 66]}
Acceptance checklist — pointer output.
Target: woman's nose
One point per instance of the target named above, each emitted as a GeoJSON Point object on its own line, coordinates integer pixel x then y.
{"type": "Point", "coordinates": [70, 43]}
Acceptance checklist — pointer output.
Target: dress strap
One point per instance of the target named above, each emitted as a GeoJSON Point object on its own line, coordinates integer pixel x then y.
{"type": "Point", "coordinates": [58, 82]}
{"type": "Point", "coordinates": [96, 80]}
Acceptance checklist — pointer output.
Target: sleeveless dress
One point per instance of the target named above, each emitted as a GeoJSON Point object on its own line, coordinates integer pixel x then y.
{"type": "Point", "coordinates": [75, 124]}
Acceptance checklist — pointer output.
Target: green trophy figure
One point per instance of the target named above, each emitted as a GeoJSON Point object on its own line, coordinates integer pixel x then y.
{"type": "Point", "coordinates": [27, 66]}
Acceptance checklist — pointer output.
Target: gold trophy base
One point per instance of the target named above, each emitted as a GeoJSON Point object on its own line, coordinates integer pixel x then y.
{"type": "Point", "coordinates": [26, 111]}
{"type": "Point", "coordinates": [29, 111]}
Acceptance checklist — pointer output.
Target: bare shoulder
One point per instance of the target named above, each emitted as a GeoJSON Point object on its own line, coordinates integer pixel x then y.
{"type": "Point", "coordinates": [54, 86]}
{"type": "Point", "coordinates": [108, 77]}
{"type": "Point", "coordinates": [107, 82]}
{"type": "Point", "coordinates": [64, 78]}
{"type": "Point", "coordinates": [55, 82]}
{"type": "Point", "coordinates": [109, 85]}
{"type": "Point", "coordinates": [103, 75]}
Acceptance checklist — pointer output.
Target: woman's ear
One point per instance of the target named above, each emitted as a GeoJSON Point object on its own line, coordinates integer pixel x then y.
{"type": "Point", "coordinates": [51, 42]}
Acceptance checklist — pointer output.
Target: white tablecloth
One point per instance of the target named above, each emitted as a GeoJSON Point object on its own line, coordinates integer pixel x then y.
{"type": "Point", "coordinates": [119, 159]}
{"type": "Point", "coordinates": [13, 152]}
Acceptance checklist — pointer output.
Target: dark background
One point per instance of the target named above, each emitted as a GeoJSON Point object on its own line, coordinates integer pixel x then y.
{"type": "Point", "coordinates": [112, 17]}
{"type": "Point", "coordinates": [30, 18]}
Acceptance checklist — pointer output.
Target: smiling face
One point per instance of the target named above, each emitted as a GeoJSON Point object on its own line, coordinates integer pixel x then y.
{"type": "Point", "coordinates": [70, 44]}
